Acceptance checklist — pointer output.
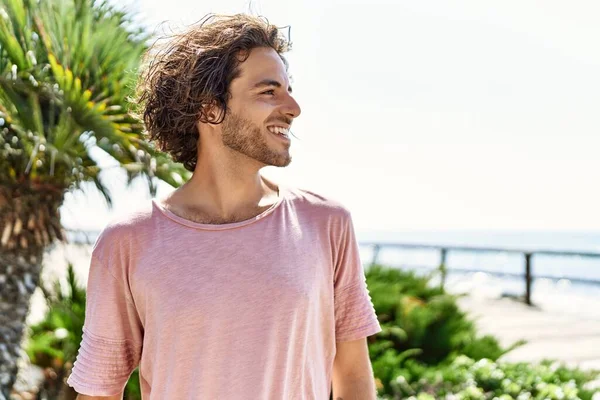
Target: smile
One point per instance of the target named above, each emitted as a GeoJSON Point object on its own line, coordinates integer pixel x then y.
{"type": "Point", "coordinates": [280, 131]}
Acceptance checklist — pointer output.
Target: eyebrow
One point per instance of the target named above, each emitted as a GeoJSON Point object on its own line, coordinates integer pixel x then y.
{"type": "Point", "coordinates": [271, 82]}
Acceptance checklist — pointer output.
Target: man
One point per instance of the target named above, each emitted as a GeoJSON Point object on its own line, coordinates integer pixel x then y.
{"type": "Point", "coordinates": [232, 287]}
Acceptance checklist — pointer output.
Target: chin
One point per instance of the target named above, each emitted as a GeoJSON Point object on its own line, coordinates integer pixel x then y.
{"type": "Point", "coordinates": [281, 163]}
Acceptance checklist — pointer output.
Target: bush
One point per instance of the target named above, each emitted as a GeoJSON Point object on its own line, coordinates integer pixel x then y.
{"type": "Point", "coordinates": [467, 379]}
{"type": "Point", "coordinates": [420, 322]}
{"type": "Point", "coordinates": [429, 349]}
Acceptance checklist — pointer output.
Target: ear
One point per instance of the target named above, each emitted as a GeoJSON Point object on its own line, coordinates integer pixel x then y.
{"type": "Point", "coordinates": [211, 113]}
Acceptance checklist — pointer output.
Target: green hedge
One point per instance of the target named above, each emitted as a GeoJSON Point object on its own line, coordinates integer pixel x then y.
{"type": "Point", "coordinates": [429, 348]}
{"type": "Point", "coordinates": [420, 322]}
{"type": "Point", "coordinates": [467, 379]}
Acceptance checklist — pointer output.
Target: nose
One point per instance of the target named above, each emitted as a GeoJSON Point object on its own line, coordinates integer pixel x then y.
{"type": "Point", "coordinates": [292, 108]}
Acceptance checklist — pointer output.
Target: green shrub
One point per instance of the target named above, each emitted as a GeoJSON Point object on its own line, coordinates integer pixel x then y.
{"type": "Point", "coordinates": [429, 349]}
{"type": "Point", "coordinates": [420, 322]}
{"type": "Point", "coordinates": [465, 378]}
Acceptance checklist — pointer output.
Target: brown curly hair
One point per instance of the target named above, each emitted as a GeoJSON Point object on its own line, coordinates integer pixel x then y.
{"type": "Point", "coordinates": [193, 70]}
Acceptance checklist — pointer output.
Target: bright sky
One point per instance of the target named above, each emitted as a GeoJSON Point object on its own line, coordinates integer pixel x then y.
{"type": "Point", "coordinates": [428, 115]}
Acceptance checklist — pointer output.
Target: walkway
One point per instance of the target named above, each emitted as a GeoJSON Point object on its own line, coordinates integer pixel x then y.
{"type": "Point", "coordinates": [572, 337]}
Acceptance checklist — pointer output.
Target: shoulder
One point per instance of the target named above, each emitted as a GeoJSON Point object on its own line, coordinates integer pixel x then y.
{"type": "Point", "coordinates": [318, 203]}
{"type": "Point", "coordinates": [123, 229]}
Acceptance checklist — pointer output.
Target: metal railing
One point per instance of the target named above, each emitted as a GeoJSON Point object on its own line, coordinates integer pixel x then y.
{"type": "Point", "coordinates": [528, 256]}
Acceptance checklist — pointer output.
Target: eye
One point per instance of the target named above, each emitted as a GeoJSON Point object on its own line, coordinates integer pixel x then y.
{"type": "Point", "coordinates": [269, 92]}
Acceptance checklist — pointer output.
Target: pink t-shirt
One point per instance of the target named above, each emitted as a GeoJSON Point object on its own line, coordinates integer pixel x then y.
{"type": "Point", "coordinates": [246, 310]}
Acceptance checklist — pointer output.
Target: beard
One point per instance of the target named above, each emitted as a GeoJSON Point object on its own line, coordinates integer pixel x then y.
{"type": "Point", "coordinates": [245, 137]}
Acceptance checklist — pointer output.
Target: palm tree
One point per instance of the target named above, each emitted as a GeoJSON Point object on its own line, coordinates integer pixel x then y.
{"type": "Point", "coordinates": [67, 68]}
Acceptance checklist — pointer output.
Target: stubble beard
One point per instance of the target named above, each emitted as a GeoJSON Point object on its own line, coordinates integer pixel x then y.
{"type": "Point", "coordinates": [245, 137]}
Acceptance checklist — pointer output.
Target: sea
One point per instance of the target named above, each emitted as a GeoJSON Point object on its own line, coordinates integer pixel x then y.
{"type": "Point", "coordinates": [565, 283]}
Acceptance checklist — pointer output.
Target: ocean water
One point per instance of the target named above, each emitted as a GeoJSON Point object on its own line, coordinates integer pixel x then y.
{"type": "Point", "coordinates": [566, 282]}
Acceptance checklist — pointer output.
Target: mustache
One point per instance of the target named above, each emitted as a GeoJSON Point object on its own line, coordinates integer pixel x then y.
{"type": "Point", "coordinates": [287, 121]}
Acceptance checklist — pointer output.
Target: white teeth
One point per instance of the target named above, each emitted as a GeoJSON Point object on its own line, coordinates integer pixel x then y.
{"type": "Point", "coordinates": [279, 130]}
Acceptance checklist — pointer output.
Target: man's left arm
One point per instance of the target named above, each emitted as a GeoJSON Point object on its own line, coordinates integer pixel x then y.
{"type": "Point", "coordinates": [352, 377]}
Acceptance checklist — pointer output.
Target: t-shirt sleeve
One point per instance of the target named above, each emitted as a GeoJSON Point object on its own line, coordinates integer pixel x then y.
{"type": "Point", "coordinates": [355, 316]}
{"type": "Point", "coordinates": [112, 336]}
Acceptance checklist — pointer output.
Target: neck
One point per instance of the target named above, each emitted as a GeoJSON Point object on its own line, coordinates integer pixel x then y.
{"type": "Point", "coordinates": [226, 187]}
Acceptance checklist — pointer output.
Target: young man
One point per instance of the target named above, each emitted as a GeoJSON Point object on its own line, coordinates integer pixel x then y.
{"type": "Point", "coordinates": [232, 287]}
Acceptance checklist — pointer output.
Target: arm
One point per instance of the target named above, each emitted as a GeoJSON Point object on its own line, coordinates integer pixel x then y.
{"type": "Point", "coordinates": [86, 397]}
{"type": "Point", "coordinates": [352, 373]}
{"type": "Point", "coordinates": [112, 337]}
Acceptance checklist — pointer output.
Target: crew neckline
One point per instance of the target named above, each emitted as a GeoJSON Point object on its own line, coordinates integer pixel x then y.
{"type": "Point", "coordinates": [219, 227]}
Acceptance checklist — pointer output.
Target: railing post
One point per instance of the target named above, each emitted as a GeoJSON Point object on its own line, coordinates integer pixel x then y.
{"type": "Point", "coordinates": [443, 253]}
{"type": "Point", "coordinates": [376, 249]}
{"type": "Point", "coordinates": [528, 278]}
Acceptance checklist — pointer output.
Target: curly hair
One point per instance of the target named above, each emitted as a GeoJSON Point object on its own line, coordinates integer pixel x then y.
{"type": "Point", "coordinates": [193, 70]}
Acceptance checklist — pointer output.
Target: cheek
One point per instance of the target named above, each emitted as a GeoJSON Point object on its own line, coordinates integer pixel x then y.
{"type": "Point", "coordinates": [259, 112]}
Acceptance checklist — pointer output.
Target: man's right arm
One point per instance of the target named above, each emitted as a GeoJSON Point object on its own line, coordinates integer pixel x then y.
{"type": "Point", "coordinates": [113, 334]}
{"type": "Point", "coordinates": [86, 397]}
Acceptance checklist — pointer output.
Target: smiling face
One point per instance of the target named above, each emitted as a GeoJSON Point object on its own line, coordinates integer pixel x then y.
{"type": "Point", "coordinates": [261, 109]}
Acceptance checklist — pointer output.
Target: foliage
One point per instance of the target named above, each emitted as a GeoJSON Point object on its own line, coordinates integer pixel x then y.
{"type": "Point", "coordinates": [67, 69]}
{"type": "Point", "coordinates": [429, 349]}
{"type": "Point", "coordinates": [467, 379]}
{"type": "Point", "coordinates": [133, 390]}
{"type": "Point", "coordinates": [420, 322]}
{"type": "Point", "coordinates": [55, 339]}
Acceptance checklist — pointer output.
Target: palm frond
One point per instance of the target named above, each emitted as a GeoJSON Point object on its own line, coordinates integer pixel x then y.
{"type": "Point", "coordinates": [67, 69]}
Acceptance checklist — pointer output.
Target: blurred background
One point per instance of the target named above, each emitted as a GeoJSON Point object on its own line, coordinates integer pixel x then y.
{"type": "Point", "coordinates": [463, 136]}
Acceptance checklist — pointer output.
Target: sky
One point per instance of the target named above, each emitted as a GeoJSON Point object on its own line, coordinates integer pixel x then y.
{"type": "Point", "coordinates": [426, 115]}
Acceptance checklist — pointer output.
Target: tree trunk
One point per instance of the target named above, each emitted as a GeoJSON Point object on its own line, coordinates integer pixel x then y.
{"type": "Point", "coordinates": [29, 222]}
